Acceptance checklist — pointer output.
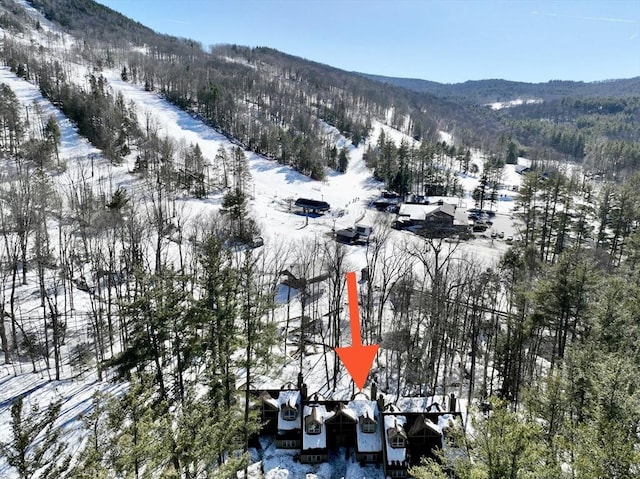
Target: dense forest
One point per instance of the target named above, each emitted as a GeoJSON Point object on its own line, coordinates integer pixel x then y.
{"type": "Point", "coordinates": [592, 123]}
{"type": "Point", "coordinates": [543, 343]}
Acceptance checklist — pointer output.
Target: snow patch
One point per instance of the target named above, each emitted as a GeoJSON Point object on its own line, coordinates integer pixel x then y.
{"type": "Point", "coordinates": [499, 105]}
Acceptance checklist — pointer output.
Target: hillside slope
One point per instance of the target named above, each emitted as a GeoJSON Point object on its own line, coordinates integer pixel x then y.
{"type": "Point", "coordinates": [261, 95]}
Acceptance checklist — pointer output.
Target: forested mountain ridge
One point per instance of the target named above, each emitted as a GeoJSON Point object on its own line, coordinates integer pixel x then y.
{"type": "Point", "coordinates": [276, 104]}
{"type": "Point", "coordinates": [595, 123]}
{"type": "Point", "coordinates": [267, 100]}
{"type": "Point", "coordinates": [495, 90]}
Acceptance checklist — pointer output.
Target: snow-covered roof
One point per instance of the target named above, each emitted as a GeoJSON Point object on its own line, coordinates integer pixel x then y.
{"type": "Point", "coordinates": [362, 407]}
{"type": "Point", "coordinates": [420, 212]}
{"type": "Point", "coordinates": [423, 423]}
{"type": "Point", "coordinates": [366, 441]}
{"type": "Point", "coordinates": [445, 420]}
{"type": "Point", "coordinates": [316, 413]}
{"type": "Point", "coordinates": [392, 422]}
{"type": "Point", "coordinates": [290, 399]}
{"type": "Point", "coordinates": [266, 398]}
{"type": "Point", "coordinates": [347, 411]}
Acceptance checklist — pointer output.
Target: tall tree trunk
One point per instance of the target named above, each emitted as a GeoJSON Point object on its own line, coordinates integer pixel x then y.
{"type": "Point", "coordinates": [3, 336]}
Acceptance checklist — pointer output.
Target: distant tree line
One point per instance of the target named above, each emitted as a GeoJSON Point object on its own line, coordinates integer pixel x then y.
{"type": "Point", "coordinates": [601, 132]}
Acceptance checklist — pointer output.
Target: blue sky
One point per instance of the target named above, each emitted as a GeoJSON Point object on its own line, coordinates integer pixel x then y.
{"type": "Point", "coordinates": [446, 41]}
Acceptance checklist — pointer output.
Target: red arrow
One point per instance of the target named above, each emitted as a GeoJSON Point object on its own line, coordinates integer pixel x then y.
{"type": "Point", "coordinates": [356, 358]}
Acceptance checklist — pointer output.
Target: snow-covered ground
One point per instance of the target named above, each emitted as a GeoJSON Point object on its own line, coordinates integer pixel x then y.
{"type": "Point", "coordinates": [280, 464]}
{"type": "Point", "coordinates": [274, 188]}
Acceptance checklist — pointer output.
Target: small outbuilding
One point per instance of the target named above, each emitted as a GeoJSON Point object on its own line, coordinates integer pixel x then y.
{"type": "Point", "coordinates": [347, 235]}
{"type": "Point", "coordinates": [359, 234]}
{"type": "Point", "coordinates": [364, 232]}
{"type": "Point", "coordinates": [257, 241]}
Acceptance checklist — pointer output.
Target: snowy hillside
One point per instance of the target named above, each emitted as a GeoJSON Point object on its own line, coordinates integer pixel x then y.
{"type": "Point", "coordinates": [176, 230]}
{"type": "Point", "coordinates": [288, 235]}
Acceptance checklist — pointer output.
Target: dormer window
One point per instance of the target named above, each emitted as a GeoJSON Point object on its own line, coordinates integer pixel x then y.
{"type": "Point", "coordinates": [314, 428]}
{"type": "Point", "coordinates": [289, 413]}
{"type": "Point", "coordinates": [367, 423]}
{"type": "Point", "coordinates": [313, 422]}
{"type": "Point", "coordinates": [397, 442]}
{"type": "Point", "coordinates": [369, 427]}
{"type": "Point", "coordinates": [397, 436]}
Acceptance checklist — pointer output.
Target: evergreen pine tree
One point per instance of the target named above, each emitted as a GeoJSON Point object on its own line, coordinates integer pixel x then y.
{"type": "Point", "coordinates": [138, 446]}
{"type": "Point", "coordinates": [91, 461]}
{"type": "Point", "coordinates": [343, 160]}
{"type": "Point", "coordinates": [503, 445]}
{"type": "Point", "coordinates": [208, 438]}
{"type": "Point", "coordinates": [52, 132]}
{"type": "Point", "coordinates": [36, 446]}
{"type": "Point", "coordinates": [512, 153]}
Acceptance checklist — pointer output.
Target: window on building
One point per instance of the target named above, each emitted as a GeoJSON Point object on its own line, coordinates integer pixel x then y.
{"type": "Point", "coordinates": [368, 426]}
{"type": "Point", "coordinates": [289, 414]}
{"type": "Point", "coordinates": [289, 443]}
{"type": "Point", "coordinates": [397, 473]}
{"type": "Point", "coordinates": [313, 428]}
{"type": "Point", "coordinates": [397, 441]}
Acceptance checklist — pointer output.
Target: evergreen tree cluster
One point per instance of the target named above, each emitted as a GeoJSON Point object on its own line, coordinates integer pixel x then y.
{"type": "Point", "coordinates": [181, 416]}
{"type": "Point", "coordinates": [429, 168]}
{"type": "Point", "coordinates": [601, 132]}
{"type": "Point", "coordinates": [579, 419]}
{"type": "Point", "coordinates": [102, 117]}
